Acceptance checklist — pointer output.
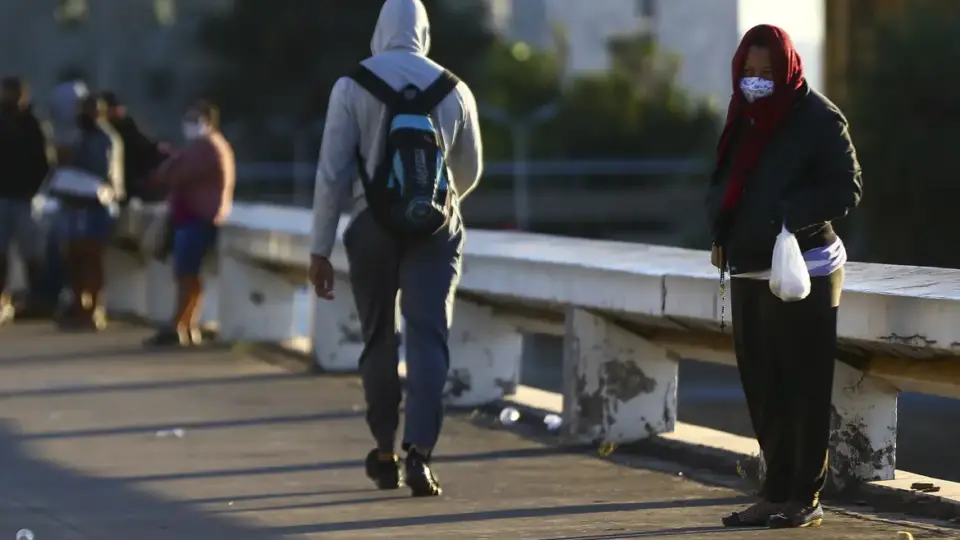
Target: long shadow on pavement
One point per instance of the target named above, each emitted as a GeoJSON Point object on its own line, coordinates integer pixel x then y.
{"type": "Point", "coordinates": [683, 531]}
{"type": "Point", "coordinates": [518, 513]}
{"type": "Point", "coordinates": [195, 426]}
{"type": "Point", "coordinates": [347, 464]}
{"type": "Point", "coordinates": [56, 502]}
{"type": "Point", "coordinates": [148, 385]}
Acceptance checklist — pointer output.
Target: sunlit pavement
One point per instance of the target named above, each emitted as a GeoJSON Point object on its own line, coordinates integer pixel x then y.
{"type": "Point", "coordinates": [102, 440]}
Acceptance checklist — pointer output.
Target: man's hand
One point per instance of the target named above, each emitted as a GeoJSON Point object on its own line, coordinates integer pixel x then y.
{"type": "Point", "coordinates": [321, 276]}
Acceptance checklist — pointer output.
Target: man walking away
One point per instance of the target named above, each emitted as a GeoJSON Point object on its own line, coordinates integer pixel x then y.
{"type": "Point", "coordinates": [141, 155]}
{"type": "Point", "coordinates": [410, 129]}
{"type": "Point", "coordinates": [25, 161]}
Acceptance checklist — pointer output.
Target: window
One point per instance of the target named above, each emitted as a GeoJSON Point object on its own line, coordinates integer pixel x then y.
{"type": "Point", "coordinates": [646, 8]}
{"type": "Point", "coordinates": [165, 11]}
{"type": "Point", "coordinates": [71, 11]}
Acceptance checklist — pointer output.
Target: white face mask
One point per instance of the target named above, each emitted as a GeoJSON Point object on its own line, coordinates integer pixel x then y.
{"type": "Point", "coordinates": [194, 130]}
{"type": "Point", "coordinates": [755, 88]}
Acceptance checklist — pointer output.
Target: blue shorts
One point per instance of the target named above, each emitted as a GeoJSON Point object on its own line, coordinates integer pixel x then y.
{"type": "Point", "coordinates": [93, 222]}
{"type": "Point", "coordinates": [191, 243]}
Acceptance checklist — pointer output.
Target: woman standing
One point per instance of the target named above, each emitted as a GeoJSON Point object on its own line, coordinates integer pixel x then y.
{"type": "Point", "coordinates": [200, 180]}
{"type": "Point", "coordinates": [785, 159]}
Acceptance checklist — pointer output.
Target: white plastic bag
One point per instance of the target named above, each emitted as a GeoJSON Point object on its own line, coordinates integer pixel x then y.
{"type": "Point", "coordinates": [789, 277]}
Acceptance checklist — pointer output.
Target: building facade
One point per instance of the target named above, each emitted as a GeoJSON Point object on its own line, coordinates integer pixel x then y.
{"type": "Point", "coordinates": [703, 34]}
{"type": "Point", "coordinates": [142, 49]}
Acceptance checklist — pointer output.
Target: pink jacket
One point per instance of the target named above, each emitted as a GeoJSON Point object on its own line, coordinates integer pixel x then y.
{"type": "Point", "coordinates": [200, 179]}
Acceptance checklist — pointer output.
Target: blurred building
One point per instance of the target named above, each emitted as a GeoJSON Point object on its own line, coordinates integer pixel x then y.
{"type": "Point", "coordinates": [143, 49]}
{"type": "Point", "coordinates": [702, 33]}
{"type": "Point", "coordinates": [585, 26]}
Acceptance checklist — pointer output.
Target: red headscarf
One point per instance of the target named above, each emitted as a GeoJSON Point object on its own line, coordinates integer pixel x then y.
{"type": "Point", "coordinates": [765, 114]}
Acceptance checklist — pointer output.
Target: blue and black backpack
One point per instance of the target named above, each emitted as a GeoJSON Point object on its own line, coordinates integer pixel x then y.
{"type": "Point", "coordinates": [410, 193]}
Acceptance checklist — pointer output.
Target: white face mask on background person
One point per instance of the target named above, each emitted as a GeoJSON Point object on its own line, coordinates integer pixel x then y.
{"type": "Point", "coordinates": [194, 130]}
{"type": "Point", "coordinates": [755, 88]}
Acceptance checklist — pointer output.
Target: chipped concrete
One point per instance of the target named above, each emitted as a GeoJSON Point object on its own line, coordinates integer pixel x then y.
{"type": "Point", "coordinates": [259, 306]}
{"type": "Point", "coordinates": [620, 388]}
{"type": "Point", "coordinates": [915, 340]}
{"type": "Point", "coordinates": [485, 356]}
{"type": "Point", "coordinates": [863, 434]}
{"type": "Point", "coordinates": [337, 336]}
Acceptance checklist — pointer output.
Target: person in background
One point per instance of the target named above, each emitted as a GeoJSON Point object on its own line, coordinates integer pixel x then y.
{"type": "Point", "coordinates": [25, 160]}
{"type": "Point", "coordinates": [200, 180]}
{"type": "Point", "coordinates": [87, 220]}
{"type": "Point", "coordinates": [785, 160]}
{"type": "Point", "coordinates": [382, 261]}
{"type": "Point", "coordinates": [141, 155]}
{"type": "Point", "coordinates": [64, 102]}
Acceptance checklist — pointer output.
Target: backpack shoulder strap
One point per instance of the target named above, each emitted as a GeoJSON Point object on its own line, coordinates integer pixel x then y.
{"type": "Point", "coordinates": [431, 96]}
{"type": "Point", "coordinates": [375, 85]}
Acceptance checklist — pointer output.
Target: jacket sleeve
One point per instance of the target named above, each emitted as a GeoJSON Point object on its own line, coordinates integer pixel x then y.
{"type": "Point", "coordinates": [39, 154]}
{"type": "Point", "coordinates": [836, 183]}
{"type": "Point", "coordinates": [115, 172]}
{"type": "Point", "coordinates": [466, 156]}
{"type": "Point", "coordinates": [714, 197]}
{"type": "Point", "coordinates": [336, 170]}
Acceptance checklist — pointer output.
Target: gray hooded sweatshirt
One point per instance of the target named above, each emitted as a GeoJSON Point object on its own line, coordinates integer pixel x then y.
{"type": "Point", "coordinates": [400, 44]}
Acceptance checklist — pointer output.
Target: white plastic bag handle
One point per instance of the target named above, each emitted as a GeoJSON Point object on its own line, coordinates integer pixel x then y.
{"type": "Point", "coordinates": [789, 277]}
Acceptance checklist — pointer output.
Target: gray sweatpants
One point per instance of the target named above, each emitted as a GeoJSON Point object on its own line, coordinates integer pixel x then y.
{"type": "Point", "coordinates": [425, 275]}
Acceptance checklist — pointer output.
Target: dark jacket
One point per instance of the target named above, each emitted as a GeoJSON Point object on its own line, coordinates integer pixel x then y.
{"type": "Point", "coordinates": [99, 151]}
{"type": "Point", "coordinates": [807, 176]}
{"type": "Point", "coordinates": [24, 160]}
{"type": "Point", "coordinates": [140, 157]}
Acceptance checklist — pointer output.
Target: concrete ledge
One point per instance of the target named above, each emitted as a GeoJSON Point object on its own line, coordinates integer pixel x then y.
{"type": "Point", "coordinates": [726, 453]}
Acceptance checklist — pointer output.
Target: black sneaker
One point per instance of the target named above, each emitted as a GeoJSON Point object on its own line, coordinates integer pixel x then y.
{"type": "Point", "coordinates": [757, 515]}
{"type": "Point", "coordinates": [167, 337]}
{"type": "Point", "coordinates": [420, 477]}
{"type": "Point", "coordinates": [797, 516]}
{"type": "Point", "coordinates": [385, 474]}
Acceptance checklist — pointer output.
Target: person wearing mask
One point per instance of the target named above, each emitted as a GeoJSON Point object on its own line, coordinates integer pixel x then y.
{"type": "Point", "coordinates": [88, 185]}
{"type": "Point", "coordinates": [200, 180]}
{"type": "Point", "coordinates": [141, 154]}
{"type": "Point", "coordinates": [785, 160]}
{"type": "Point", "coordinates": [396, 105]}
{"type": "Point", "coordinates": [26, 162]}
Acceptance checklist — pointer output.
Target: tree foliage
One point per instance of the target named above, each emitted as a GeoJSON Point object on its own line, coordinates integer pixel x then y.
{"type": "Point", "coordinates": [636, 109]}
{"type": "Point", "coordinates": [904, 112]}
{"type": "Point", "coordinates": [279, 60]}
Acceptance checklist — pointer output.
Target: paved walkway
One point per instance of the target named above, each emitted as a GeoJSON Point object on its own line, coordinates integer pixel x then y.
{"type": "Point", "coordinates": [90, 449]}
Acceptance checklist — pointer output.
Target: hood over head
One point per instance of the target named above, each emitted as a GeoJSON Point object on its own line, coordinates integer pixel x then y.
{"type": "Point", "coordinates": [403, 25]}
{"type": "Point", "coordinates": [784, 59]}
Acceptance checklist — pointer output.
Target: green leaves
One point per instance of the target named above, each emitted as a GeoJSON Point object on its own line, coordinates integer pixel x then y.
{"type": "Point", "coordinates": [904, 115]}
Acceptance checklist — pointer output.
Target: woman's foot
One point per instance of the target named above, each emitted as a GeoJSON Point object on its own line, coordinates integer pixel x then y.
{"type": "Point", "coordinates": [195, 336]}
{"type": "Point", "coordinates": [796, 515]}
{"type": "Point", "coordinates": [757, 515]}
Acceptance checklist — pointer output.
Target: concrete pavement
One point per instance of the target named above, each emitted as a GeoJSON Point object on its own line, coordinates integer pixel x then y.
{"type": "Point", "coordinates": [101, 440]}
